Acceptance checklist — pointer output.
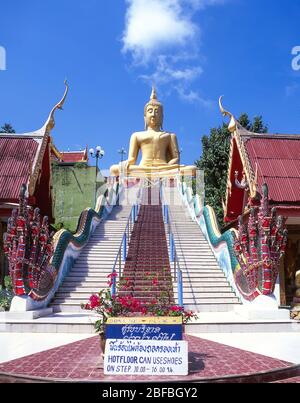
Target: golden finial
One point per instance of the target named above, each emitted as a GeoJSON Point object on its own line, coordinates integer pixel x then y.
{"type": "Point", "coordinates": [153, 99]}
{"type": "Point", "coordinates": [232, 124]}
{"type": "Point", "coordinates": [153, 94]}
{"type": "Point", "coordinates": [51, 122]}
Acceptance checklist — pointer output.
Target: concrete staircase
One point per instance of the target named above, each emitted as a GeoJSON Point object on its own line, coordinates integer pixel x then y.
{"type": "Point", "coordinates": [205, 287]}
{"type": "Point", "coordinates": [94, 264]}
{"type": "Point", "coordinates": [147, 267]}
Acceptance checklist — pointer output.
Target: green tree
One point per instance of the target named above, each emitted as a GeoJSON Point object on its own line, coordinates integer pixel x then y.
{"type": "Point", "coordinates": [215, 160]}
{"type": "Point", "coordinates": [7, 128]}
{"type": "Point", "coordinates": [258, 125]}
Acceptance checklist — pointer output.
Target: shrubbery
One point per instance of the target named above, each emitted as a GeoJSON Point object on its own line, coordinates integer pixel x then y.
{"type": "Point", "coordinates": [6, 295]}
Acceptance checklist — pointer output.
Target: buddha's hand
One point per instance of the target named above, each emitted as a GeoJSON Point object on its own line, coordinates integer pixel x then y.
{"type": "Point", "coordinates": [125, 166]}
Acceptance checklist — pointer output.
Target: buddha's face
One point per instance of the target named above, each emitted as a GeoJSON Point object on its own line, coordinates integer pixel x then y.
{"type": "Point", "coordinates": [153, 117]}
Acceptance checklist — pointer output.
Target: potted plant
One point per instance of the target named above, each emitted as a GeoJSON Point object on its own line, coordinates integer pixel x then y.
{"type": "Point", "coordinates": [105, 305]}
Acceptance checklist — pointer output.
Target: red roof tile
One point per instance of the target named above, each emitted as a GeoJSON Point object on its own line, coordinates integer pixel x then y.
{"type": "Point", "coordinates": [16, 159]}
{"type": "Point", "coordinates": [278, 162]}
{"type": "Point", "coordinates": [76, 156]}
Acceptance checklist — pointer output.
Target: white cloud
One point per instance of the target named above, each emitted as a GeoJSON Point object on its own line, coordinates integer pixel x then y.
{"type": "Point", "coordinates": [163, 39]}
{"type": "Point", "coordinates": [193, 97]}
{"type": "Point", "coordinates": [166, 71]}
{"type": "Point", "coordinates": [153, 25]}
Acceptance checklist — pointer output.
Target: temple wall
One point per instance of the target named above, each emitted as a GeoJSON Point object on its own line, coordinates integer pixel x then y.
{"type": "Point", "coordinates": [73, 191]}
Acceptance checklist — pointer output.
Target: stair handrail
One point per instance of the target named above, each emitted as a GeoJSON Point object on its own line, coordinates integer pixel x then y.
{"type": "Point", "coordinates": [173, 252]}
{"type": "Point", "coordinates": [122, 252]}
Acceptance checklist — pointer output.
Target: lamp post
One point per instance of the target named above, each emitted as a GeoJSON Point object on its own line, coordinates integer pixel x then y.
{"type": "Point", "coordinates": [98, 154]}
{"type": "Point", "coordinates": [180, 152]}
{"type": "Point", "coordinates": [123, 153]}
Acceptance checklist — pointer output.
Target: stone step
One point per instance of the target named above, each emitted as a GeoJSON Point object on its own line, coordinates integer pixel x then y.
{"type": "Point", "coordinates": [189, 268]}
{"type": "Point", "coordinates": [200, 295]}
{"type": "Point", "coordinates": [107, 238]}
{"type": "Point", "coordinates": [103, 265]}
{"type": "Point", "coordinates": [100, 252]}
{"type": "Point", "coordinates": [194, 254]}
{"type": "Point", "coordinates": [192, 240]}
{"type": "Point", "coordinates": [92, 269]}
{"type": "Point", "coordinates": [103, 269]}
{"type": "Point", "coordinates": [76, 301]}
{"type": "Point", "coordinates": [186, 288]}
{"type": "Point", "coordinates": [108, 261]}
{"type": "Point", "coordinates": [75, 322]}
{"type": "Point", "coordinates": [110, 230]}
{"type": "Point", "coordinates": [115, 235]}
{"type": "Point", "coordinates": [186, 273]}
{"type": "Point", "coordinates": [210, 306]}
{"type": "Point", "coordinates": [102, 278]}
{"type": "Point", "coordinates": [96, 263]}
{"type": "Point", "coordinates": [186, 276]}
{"type": "Point", "coordinates": [99, 242]}
{"type": "Point", "coordinates": [82, 297]}
{"type": "Point", "coordinates": [192, 246]}
{"type": "Point", "coordinates": [105, 243]}
{"type": "Point", "coordinates": [87, 277]}
{"type": "Point", "coordinates": [187, 230]}
{"type": "Point", "coordinates": [205, 274]}
{"type": "Point", "coordinates": [67, 307]}
{"type": "Point", "coordinates": [107, 235]}
{"type": "Point", "coordinates": [87, 283]}
{"type": "Point", "coordinates": [102, 248]}
{"type": "Point", "coordinates": [187, 295]}
{"type": "Point", "coordinates": [182, 252]}
{"type": "Point", "coordinates": [198, 263]}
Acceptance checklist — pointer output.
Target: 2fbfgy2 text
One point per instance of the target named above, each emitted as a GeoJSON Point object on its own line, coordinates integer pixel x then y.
{"type": "Point", "coordinates": [151, 392]}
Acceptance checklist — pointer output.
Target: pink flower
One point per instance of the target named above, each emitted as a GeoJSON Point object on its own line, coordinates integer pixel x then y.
{"type": "Point", "coordinates": [144, 310]}
{"type": "Point", "coordinates": [94, 301]}
{"type": "Point", "coordinates": [112, 274]}
{"type": "Point", "coordinates": [176, 308]}
{"type": "Point", "coordinates": [111, 278]}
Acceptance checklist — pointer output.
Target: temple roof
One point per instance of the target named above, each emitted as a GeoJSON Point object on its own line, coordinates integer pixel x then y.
{"type": "Point", "coordinates": [21, 157]}
{"type": "Point", "coordinates": [273, 159]}
{"type": "Point", "coordinates": [18, 157]}
{"type": "Point", "coordinates": [74, 156]}
{"type": "Point", "coordinates": [278, 164]}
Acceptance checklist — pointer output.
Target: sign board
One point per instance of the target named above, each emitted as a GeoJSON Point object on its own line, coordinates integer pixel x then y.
{"type": "Point", "coordinates": [144, 328]}
{"type": "Point", "coordinates": [146, 357]}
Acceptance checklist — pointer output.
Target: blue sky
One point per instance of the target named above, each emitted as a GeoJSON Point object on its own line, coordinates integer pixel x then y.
{"type": "Point", "coordinates": [111, 51]}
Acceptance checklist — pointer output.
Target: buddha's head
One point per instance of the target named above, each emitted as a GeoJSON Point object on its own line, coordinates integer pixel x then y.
{"type": "Point", "coordinates": [153, 113]}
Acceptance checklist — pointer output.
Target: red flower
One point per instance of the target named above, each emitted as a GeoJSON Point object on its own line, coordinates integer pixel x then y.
{"type": "Point", "coordinates": [155, 281]}
{"type": "Point", "coordinates": [112, 276]}
{"type": "Point", "coordinates": [144, 310]}
{"type": "Point", "coordinates": [94, 301]}
{"type": "Point", "coordinates": [176, 308]}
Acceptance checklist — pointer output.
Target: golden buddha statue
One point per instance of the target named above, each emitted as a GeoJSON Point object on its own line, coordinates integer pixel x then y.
{"type": "Point", "coordinates": [160, 155]}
